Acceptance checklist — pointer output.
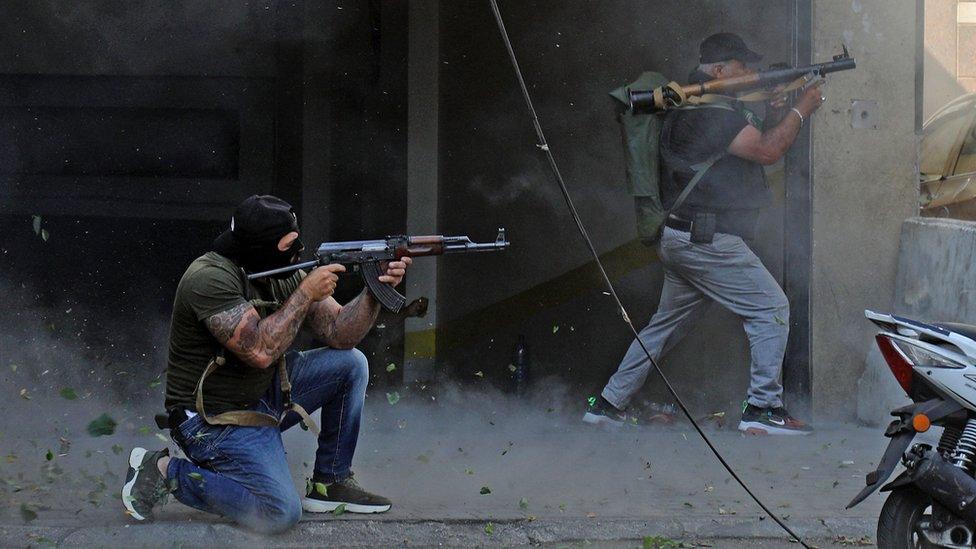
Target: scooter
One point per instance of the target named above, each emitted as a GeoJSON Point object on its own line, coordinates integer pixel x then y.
{"type": "Point", "coordinates": [932, 503]}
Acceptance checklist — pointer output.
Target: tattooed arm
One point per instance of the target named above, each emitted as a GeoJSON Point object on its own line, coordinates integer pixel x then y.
{"type": "Point", "coordinates": [344, 326]}
{"type": "Point", "coordinates": [260, 342]}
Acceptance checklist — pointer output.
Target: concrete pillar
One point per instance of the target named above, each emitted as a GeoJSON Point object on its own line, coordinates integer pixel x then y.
{"type": "Point", "coordinates": [864, 186]}
{"type": "Point", "coordinates": [422, 185]}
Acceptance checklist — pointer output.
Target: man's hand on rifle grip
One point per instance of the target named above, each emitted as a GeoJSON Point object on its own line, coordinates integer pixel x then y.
{"type": "Point", "coordinates": [321, 282]}
{"type": "Point", "coordinates": [394, 271]}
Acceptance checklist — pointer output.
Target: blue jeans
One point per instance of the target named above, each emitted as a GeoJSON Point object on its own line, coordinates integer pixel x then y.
{"type": "Point", "coordinates": [241, 472]}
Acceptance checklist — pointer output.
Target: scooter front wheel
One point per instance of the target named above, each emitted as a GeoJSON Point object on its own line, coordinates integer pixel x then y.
{"type": "Point", "coordinates": [906, 511]}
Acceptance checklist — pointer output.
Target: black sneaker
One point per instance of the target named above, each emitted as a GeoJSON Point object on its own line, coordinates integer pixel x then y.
{"type": "Point", "coordinates": [347, 492]}
{"type": "Point", "coordinates": [144, 487]}
{"type": "Point", "coordinates": [604, 414]}
{"type": "Point", "coordinates": [771, 421]}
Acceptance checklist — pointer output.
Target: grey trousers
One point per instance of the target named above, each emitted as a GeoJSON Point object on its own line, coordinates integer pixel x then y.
{"type": "Point", "coordinates": [728, 272]}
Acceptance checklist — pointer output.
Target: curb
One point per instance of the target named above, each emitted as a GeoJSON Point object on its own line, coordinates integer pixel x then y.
{"type": "Point", "coordinates": [355, 532]}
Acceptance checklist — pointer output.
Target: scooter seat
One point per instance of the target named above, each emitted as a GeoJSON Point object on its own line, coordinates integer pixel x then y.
{"type": "Point", "coordinates": [966, 330]}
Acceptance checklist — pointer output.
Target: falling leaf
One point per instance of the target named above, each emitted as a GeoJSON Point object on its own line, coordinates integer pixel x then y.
{"type": "Point", "coordinates": [512, 368]}
{"type": "Point", "coordinates": [390, 367]}
{"type": "Point", "coordinates": [36, 223]}
{"type": "Point", "coordinates": [26, 513]}
{"type": "Point", "coordinates": [485, 490]}
{"type": "Point", "coordinates": [24, 395]}
{"type": "Point", "coordinates": [340, 509]}
{"type": "Point", "coordinates": [479, 373]}
{"type": "Point", "coordinates": [49, 455]}
{"type": "Point", "coordinates": [155, 382]}
{"type": "Point", "coordinates": [393, 397]}
{"type": "Point", "coordinates": [489, 528]}
{"type": "Point", "coordinates": [321, 489]}
{"type": "Point", "coordinates": [45, 235]}
{"type": "Point", "coordinates": [68, 393]}
{"type": "Point", "coordinates": [103, 425]}
{"type": "Point", "coordinates": [591, 401]}
{"type": "Point", "coordinates": [555, 328]}
{"type": "Point", "coordinates": [523, 504]}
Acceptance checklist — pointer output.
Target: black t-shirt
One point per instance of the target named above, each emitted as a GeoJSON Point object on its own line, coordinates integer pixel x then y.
{"type": "Point", "coordinates": [692, 136]}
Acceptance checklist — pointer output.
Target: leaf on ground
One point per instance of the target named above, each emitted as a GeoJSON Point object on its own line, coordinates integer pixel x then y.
{"type": "Point", "coordinates": [591, 401]}
{"type": "Point", "coordinates": [321, 489]}
{"type": "Point", "coordinates": [195, 476]}
{"type": "Point", "coordinates": [779, 320]}
{"type": "Point", "coordinates": [555, 328]}
{"type": "Point", "coordinates": [143, 430]}
{"type": "Point", "coordinates": [489, 528]}
{"type": "Point", "coordinates": [116, 449]}
{"type": "Point", "coordinates": [24, 394]}
{"type": "Point", "coordinates": [45, 235]}
{"type": "Point", "coordinates": [49, 456]}
{"type": "Point", "coordinates": [103, 425]}
{"type": "Point", "coordinates": [36, 224]}
{"type": "Point", "coordinates": [393, 397]}
{"type": "Point", "coordinates": [512, 368]}
{"type": "Point", "coordinates": [523, 504]}
{"type": "Point", "coordinates": [340, 509]}
{"type": "Point", "coordinates": [155, 382]}
{"type": "Point", "coordinates": [28, 514]}
{"type": "Point", "coordinates": [469, 471]}
{"type": "Point", "coordinates": [68, 393]}
{"type": "Point", "coordinates": [423, 458]}
{"type": "Point", "coordinates": [479, 373]}
{"type": "Point", "coordinates": [13, 367]}
{"type": "Point", "coordinates": [162, 437]}
{"type": "Point", "coordinates": [390, 367]}
{"type": "Point", "coordinates": [485, 490]}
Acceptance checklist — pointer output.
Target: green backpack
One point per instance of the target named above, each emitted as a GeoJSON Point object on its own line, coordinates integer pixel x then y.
{"type": "Point", "coordinates": [641, 139]}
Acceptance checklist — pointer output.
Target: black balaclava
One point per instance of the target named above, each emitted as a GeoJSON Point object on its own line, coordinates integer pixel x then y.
{"type": "Point", "coordinates": [255, 230]}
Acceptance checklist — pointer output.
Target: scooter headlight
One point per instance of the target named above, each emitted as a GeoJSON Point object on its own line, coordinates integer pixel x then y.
{"type": "Point", "coordinates": [920, 356]}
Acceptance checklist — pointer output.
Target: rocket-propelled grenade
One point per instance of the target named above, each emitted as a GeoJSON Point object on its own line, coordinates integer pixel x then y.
{"type": "Point", "coordinates": [673, 96]}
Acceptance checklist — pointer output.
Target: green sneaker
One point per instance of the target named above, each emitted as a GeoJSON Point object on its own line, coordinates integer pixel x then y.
{"type": "Point", "coordinates": [144, 487]}
{"type": "Point", "coordinates": [347, 492]}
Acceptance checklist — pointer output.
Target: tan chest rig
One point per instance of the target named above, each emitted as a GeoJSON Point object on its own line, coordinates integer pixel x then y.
{"type": "Point", "coordinates": [250, 418]}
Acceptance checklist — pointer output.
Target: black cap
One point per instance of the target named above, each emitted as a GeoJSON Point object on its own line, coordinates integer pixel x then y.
{"type": "Point", "coordinates": [726, 46]}
{"type": "Point", "coordinates": [259, 219]}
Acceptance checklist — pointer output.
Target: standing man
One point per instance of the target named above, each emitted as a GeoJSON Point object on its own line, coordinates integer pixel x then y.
{"type": "Point", "coordinates": [704, 246]}
{"type": "Point", "coordinates": [225, 393]}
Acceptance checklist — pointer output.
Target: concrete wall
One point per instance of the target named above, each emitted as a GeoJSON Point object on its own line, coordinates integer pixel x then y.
{"type": "Point", "coordinates": [865, 186]}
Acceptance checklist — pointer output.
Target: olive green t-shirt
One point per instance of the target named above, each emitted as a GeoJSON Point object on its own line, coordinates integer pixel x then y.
{"type": "Point", "coordinates": [213, 284]}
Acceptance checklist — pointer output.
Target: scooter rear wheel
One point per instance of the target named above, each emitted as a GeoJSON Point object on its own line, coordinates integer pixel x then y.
{"type": "Point", "coordinates": [899, 526]}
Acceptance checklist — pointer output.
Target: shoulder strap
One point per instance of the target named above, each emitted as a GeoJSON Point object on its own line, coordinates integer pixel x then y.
{"type": "Point", "coordinates": [700, 169]}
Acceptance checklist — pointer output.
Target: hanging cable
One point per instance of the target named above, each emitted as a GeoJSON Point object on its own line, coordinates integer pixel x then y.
{"type": "Point", "coordinates": [544, 145]}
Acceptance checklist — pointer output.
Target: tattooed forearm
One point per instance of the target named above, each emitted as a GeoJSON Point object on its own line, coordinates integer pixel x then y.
{"type": "Point", "coordinates": [345, 328]}
{"type": "Point", "coordinates": [259, 342]}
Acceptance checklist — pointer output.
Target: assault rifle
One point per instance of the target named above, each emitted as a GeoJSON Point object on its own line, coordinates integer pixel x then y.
{"type": "Point", "coordinates": [366, 255]}
{"type": "Point", "coordinates": [673, 95]}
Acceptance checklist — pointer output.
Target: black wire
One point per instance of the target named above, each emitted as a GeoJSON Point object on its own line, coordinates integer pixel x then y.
{"type": "Point", "coordinates": [596, 257]}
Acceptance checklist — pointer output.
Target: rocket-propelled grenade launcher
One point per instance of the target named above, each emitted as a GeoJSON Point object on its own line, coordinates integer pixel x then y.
{"type": "Point", "coordinates": [366, 256]}
{"type": "Point", "coordinates": [673, 95]}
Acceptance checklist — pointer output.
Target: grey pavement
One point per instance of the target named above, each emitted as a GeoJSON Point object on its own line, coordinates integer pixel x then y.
{"type": "Point", "coordinates": [552, 480]}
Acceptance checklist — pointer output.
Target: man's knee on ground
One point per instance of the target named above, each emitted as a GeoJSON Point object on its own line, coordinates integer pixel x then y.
{"type": "Point", "coordinates": [280, 517]}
